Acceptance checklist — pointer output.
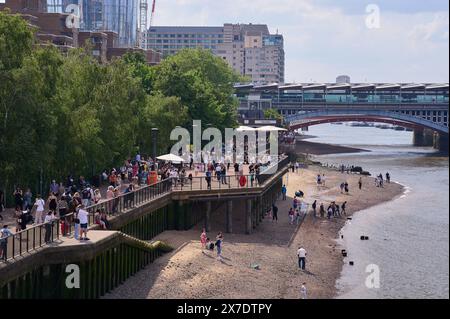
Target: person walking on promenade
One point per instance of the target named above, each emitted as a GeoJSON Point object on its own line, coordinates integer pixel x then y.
{"type": "Point", "coordinates": [203, 238]}
{"type": "Point", "coordinates": [76, 226]}
{"type": "Point", "coordinates": [54, 188]}
{"type": "Point", "coordinates": [301, 253]}
{"type": "Point", "coordinates": [303, 291]}
{"type": "Point", "coordinates": [284, 192]}
{"type": "Point", "coordinates": [360, 183]}
{"type": "Point", "coordinates": [83, 217]}
{"type": "Point", "coordinates": [208, 179]}
{"type": "Point", "coordinates": [18, 198]}
{"type": "Point", "coordinates": [27, 200]}
{"type": "Point", "coordinates": [40, 205]}
{"type": "Point", "coordinates": [48, 226]}
{"type": "Point", "coordinates": [274, 213]}
{"type": "Point", "coordinates": [219, 243]}
{"type": "Point", "coordinates": [52, 202]}
{"type": "Point", "coordinates": [4, 234]}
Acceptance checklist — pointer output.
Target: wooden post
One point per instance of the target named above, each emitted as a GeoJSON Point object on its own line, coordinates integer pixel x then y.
{"type": "Point", "coordinates": [248, 217]}
{"type": "Point", "coordinates": [208, 217]}
{"type": "Point", "coordinates": [229, 216]}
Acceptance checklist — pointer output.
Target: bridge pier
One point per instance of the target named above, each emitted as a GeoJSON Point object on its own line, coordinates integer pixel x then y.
{"type": "Point", "coordinates": [229, 216]}
{"type": "Point", "coordinates": [440, 141]}
{"type": "Point", "coordinates": [423, 137]}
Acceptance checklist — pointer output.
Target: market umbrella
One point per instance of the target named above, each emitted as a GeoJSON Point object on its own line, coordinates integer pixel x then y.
{"type": "Point", "coordinates": [270, 129]}
{"type": "Point", "coordinates": [170, 158]}
{"type": "Point", "coordinates": [245, 129]}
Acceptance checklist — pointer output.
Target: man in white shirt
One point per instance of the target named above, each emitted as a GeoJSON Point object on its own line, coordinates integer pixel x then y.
{"type": "Point", "coordinates": [83, 217]}
{"type": "Point", "coordinates": [301, 253]}
{"type": "Point", "coordinates": [40, 206]}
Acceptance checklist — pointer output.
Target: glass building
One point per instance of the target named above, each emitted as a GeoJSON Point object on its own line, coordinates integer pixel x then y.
{"type": "Point", "coordinates": [120, 16]}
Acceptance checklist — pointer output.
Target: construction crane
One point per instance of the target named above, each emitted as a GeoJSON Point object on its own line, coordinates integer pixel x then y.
{"type": "Point", "coordinates": [143, 13]}
{"type": "Point", "coordinates": [153, 13]}
{"type": "Point", "coordinates": [143, 21]}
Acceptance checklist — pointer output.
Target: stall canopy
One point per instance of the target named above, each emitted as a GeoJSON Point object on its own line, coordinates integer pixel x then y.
{"type": "Point", "coordinates": [270, 129]}
{"type": "Point", "coordinates": [170, 158]}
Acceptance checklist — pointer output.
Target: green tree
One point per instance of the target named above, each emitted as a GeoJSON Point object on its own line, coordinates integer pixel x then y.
{"type": "Point", "coordinates": [164, 113]}
{"type": "Point", "coordinates": [203, 82]}
{"type": "Point", "coordinates": [272, 114]}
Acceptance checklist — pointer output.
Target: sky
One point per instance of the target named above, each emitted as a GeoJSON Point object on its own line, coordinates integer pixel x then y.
{"type": "Point", "coordinates": [404, 41]}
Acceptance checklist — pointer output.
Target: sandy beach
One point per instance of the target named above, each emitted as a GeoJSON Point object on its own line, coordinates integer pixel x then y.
{"type": "Point", "coordinates": [189, 272]}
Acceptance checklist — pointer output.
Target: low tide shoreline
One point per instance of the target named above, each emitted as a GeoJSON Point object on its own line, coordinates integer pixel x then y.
{"type": "Point", "coordinates": [190, 273]}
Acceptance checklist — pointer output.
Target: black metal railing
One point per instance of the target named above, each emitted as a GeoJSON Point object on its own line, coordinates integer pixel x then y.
{"type": "Point", "coordinates": [37, 236]}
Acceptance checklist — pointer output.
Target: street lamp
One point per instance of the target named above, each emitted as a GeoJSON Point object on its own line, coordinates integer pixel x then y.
{"type": "Point", "coordinates": [154, 141]}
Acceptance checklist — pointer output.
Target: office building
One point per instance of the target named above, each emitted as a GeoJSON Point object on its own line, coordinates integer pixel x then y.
{"type": "Point", "coordinates": [250, 49]}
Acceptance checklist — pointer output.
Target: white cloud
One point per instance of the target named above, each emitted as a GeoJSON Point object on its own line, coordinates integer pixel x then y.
{"type": "Point", "coordinates": [322, 41]}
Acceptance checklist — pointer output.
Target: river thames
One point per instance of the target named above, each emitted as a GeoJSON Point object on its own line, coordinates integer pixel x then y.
{"type": "Point", "coordinates": [409, 236]}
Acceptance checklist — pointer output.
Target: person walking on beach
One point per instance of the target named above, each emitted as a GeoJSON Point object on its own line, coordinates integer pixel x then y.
{"type": "Point", "coordinates": [303, 291]}
{"type": "Point", "coordinates": [323, 180]}
{"type": "Point", "coordinates": [291, 216]}
{"type": "Point", "coordinates": [342, 187]}
{"type": "Point", "coordinates": [301, 253]}
{"type": "Point", "coordinates": [360, 183]}
{"type": "Point", "coordinates": [219, 242]}
{"type": "Point", "coordinates": [284, 192]}
{"type": "Point", "coordinates": [388, 178]}
{"type": "Point", "coordinates": [314, 207]}
{"type": "Point", "coordinates": [322, 210]}
{"type": "Point", "coordinates": [346, 188]}
{"type": "Point", "coordinates": [297, 216]}
{"type": "Point", "coordinates": [343, 206]}
{"type": "Point", "coordinates": [274, 213]}
{"type": "Point", "coordinates": [203, 238]}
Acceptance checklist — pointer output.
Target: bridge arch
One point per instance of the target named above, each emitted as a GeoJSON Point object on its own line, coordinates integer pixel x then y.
{"type": "Point", "coordinates": [305, 119]}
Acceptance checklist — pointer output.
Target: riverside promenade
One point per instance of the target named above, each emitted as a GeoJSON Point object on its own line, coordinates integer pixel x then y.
{"type": "Point", "coordinates": [138, 217]}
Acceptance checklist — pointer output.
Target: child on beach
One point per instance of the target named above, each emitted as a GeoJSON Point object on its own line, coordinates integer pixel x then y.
{"type": "Point", "coordinates": [203, 238]}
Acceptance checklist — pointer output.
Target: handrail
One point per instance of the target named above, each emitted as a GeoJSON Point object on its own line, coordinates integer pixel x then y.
{"type": "Point", "coordinates": [34, 237]}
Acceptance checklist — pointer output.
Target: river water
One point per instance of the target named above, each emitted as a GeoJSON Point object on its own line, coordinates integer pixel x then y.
{"type": "Point", "coordinates": [409, 236]}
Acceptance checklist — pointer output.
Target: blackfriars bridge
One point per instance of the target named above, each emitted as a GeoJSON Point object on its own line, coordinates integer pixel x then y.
{"type": "Point", "coordinates": [424, 107]}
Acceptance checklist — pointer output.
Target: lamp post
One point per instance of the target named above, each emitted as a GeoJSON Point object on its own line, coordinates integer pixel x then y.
{"type": "Point", "coordinates": [154, 141]}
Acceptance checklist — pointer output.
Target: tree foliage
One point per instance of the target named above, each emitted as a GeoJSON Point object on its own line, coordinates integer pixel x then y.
{"type": "Point", "coordinates": [69, 114]}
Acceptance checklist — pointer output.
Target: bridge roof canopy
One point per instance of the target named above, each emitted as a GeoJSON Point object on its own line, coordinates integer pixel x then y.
{"type": "Point", "coordinates": [272, 86]}
{"type": "Point", "coordinates": [342, 86]}
{"type": "Point", "coordinates": [244, 86]}
{"type": "Point", "coordinates": [293, 86]}
{"type": "Point", "coordinates": [437, 87]}
{"type": "Point", "coordinates": [317, 86]}
{"type": "Point", "coordinates": [413, 86]}
{"type": "Point", "coordinates": [387, 87]}
{"type": "Point", "coordinates": [367, 86]}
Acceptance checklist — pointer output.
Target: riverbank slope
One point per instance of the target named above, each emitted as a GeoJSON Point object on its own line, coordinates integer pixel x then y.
{"type": "Point", "coordinates": [190, 273]}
